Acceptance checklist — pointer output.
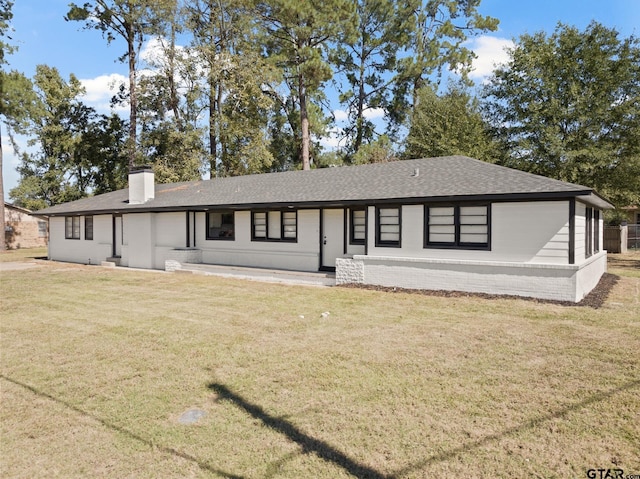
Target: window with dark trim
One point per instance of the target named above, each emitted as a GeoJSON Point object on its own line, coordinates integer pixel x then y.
{"type": "Point", "coordinates": [357, 232]}
{"type": "Point", "coordinates": [88, 228]}
{"type": "Point", "coordinates": [274, 225]}
{"type": "Point", "coordinates": [72, 227]}
{"type": "Point", "coordinates": [588, 232]}
{"type": "Point", "coordinates": [596, 231]}
{"type": "Point", "coordinates": [457, 226]}
{"type": "Point", "coordinates": [388, 226]}
{"type": "Point", "coordinates": [221, 225]}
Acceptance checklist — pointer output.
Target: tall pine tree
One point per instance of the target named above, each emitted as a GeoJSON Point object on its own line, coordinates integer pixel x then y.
{"type": "Point", "coordinates": [367, 61]}
{"type": "Point", "coordinates": [297, 37]}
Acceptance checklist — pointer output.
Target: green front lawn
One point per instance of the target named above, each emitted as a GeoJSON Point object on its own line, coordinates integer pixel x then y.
{"type": "Point", "coordinates": [99, 364]}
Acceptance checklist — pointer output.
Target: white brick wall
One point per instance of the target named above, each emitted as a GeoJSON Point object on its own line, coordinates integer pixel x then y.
{"type": "Point", "coordinates": [349, 271]}
{"type": "Point", "coordinates": [545, 281]}
{"type": "Point", "coordinates": [590, 273]}
{"type": "Point", "coordinates": [184, 255]}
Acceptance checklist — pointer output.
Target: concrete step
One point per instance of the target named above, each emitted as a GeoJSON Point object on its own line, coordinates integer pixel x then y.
{"type": "Point", "coordinates": [114, 260]}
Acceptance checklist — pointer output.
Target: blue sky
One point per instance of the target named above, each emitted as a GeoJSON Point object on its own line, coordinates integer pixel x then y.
{"type": "Point", "coordinates": [43, 37]}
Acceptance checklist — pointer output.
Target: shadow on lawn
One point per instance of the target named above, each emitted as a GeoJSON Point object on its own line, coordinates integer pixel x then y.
{"type": "Point", "coordinates": [124, 431]}
{"type": "Point", "coordinates": [322, 449]}
{"type": "Point", "coordinates": [309, 444]}
{"type": "Point", "coordinates": [530, 424]}
{"type": "Point", "coordinates": [328, 453]}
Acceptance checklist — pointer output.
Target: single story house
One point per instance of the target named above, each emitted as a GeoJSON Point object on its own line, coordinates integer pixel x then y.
{"type": "Point", "coordinates": [633, 214]}
{"type": "Point", "coordinates": [449, 223]}
{"type": "Point", "coordinates": [23, 228]}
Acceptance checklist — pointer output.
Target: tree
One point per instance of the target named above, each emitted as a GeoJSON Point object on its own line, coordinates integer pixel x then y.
{"type": "Point", "coordinates": [297, 35]}
{"type": "Point", "coordinates": [73, 145]}
{"type": "Point", "coordinates": [438, 32]}
{"type": "Point", "coordinates": [567, 106]}
{"type": "Point", "coordinates": [53, 124]}
{"type": "Point", "coordinates": [170, 138]}
{"type": "Point", "coordinates": [103, 145]}
{"type": "Point", "coordinates": [224, 40]}
{"type": "Point", "coordinates": [17, 99]}
{"type": "Point", "coordinates": [450, 124]}
{"type": "Point", "coordinates": [5, 16]}
{"type": "Point", "coordinates": [378, 151]}
{"type": "Point", "coordinates": [130, 20]}
{"type": "Point", "coordinates": [367, 62]}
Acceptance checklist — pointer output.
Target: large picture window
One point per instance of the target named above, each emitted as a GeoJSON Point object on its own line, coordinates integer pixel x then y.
{"type": "Point", "coordinates": [88, 227]}
{"type": "Point", "coordinates": [388, 226]}
{"type": "Point", "coordinates": [72, 227]}
{"type": "Point", "coordinates": [274, 225]}
{"type": "Point", "coordinates": [457, 226]}
{"type": "Point", "coordinates": [357, 233]}
{"type": "Point", "coordinates": [592, 231]}
{"type": "Point", "coordinates": [221, 225]}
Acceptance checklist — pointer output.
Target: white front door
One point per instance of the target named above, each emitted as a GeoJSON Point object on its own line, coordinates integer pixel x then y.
{"type": "Point", "coordinates": [117, 236]}
{"type": "Point", "coordinates": [332, 237]}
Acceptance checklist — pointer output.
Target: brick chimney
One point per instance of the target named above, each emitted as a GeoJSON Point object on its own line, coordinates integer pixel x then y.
{"type": "Point", "coordinates": [141, 185]}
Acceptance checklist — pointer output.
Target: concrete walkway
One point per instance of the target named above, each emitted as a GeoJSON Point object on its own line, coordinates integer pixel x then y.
{"type": "Point", "coordinates": [16, 265]}
{"type": "Point", "coordinates": [255, 274]}
{"type": "Point", "coordinates": [262, 274]}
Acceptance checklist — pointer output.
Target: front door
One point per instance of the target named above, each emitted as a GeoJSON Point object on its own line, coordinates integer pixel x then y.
{"type": "Point", "coordinates": [332, 237]}
{"type": "Point", "coordinates": [117, 236]}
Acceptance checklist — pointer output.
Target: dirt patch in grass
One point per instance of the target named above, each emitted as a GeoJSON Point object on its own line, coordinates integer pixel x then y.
{"type": "Point", "coordinates": [595, 299]}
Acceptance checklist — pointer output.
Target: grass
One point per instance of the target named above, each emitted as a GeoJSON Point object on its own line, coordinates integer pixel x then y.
{"type": "Point", "coordinates": [28, 254]}
{"type": "Point", "coordinates": [99, 364]}
{"type": "Point", "coordinates": [625, 264]}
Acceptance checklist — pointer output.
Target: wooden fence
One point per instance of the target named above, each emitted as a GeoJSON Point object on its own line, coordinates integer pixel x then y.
{"type": "Point", "coordinates": [615, 238]}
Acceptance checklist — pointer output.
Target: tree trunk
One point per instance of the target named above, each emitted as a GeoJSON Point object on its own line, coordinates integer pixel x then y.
{"type": "Point", "coordinates": [213, 145]}
{"type": "Point", "coordinates": [3, 243]}
{"type": "Point", "coordinates": [133, 103]}
{"type": "Point", "coordinates": [174, 101]}
{"type": "Point", "coordinates": [360, 118]}
{"type": "Point", "coordinates": [304, 124]}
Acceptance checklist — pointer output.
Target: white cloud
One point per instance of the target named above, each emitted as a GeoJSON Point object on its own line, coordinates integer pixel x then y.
{"type": "Point", "coordinates": [373, 113]}
{"type": "Point", "coordinates": [153, 51]}
{"type": "Point", "coordinates": [330, 143]}
{"type": "Point", "coordinates": [491, 52]}
{"type": "Point", "coordinates": [369, 114]}
{"type": "Point", "coordinates": [10, 162]}
{"type": "Point", "coordinates": [341, 115]}
{"type": "Point", "coordinates": [101, 89]}
{"type": "Point", "coordinates": [333, 140]}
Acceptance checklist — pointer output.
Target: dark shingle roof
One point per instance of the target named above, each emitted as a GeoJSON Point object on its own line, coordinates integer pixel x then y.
{"type": "Point", "coordinates": [437, 179]}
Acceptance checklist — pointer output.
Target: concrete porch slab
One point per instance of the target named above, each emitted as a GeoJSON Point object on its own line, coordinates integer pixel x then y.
{"type": "Point", "coordinates": [263, 274]}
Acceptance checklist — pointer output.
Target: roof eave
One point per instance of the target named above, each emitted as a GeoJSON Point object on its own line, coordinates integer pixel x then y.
{"type": "Point", "coordinates": [587, 196]}
{"type": "Point", "coordinates": [594, 199]}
